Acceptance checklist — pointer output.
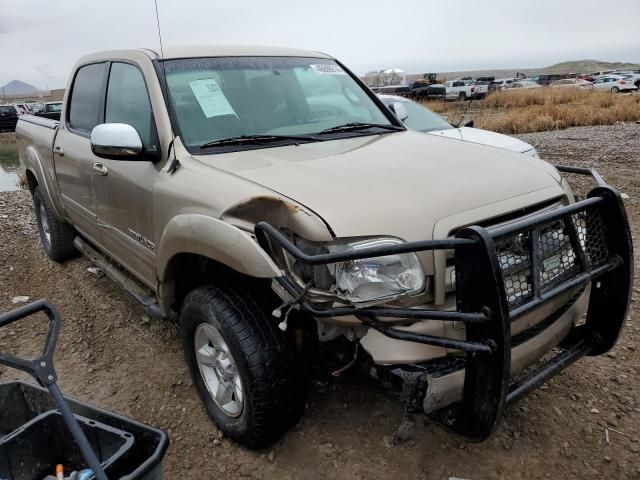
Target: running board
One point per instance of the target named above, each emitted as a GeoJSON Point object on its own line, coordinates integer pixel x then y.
{"type": "Point", "coordinates": [127, 283]}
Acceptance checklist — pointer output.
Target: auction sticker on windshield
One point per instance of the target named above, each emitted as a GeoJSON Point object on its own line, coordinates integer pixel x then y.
{"type": "Point", "coordinates": [328, 69]}
{"type": "Point", "coordinates": [211, 98]}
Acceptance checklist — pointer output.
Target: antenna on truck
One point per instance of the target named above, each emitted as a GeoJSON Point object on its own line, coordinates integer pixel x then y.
{"type": "Point", "coordinates": [175, 163]}
{"type": "Point", "coordinates": [155, 2]}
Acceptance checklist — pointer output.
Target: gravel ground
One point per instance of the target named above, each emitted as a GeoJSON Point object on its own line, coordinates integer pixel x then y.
{"type": "Point", "coordinates": [7, 138]}
{"type": "Point", "coordinates": [114, 356]}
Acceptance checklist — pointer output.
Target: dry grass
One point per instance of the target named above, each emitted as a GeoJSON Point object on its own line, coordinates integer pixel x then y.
{"type": "Point", "coordinates": [543, 109]}
{"type": "Point", "coordinates": [7, 138]}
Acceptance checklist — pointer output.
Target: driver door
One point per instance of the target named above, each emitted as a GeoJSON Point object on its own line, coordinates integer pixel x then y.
{"type": "Point", "coordinates": [72, 156]}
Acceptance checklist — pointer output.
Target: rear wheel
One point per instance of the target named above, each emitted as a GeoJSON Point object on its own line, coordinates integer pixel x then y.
{"type": "Point", "coordinates": [462, 96]}
{"type": "Point", "coordinates": [56, 235]}
{"type": "Point", "coordinates": [615, 89]}
{"type": "Point", "coordinates": [243, 366]}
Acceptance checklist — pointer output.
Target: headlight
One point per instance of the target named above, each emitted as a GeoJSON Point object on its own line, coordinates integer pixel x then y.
{"type": "Point", "coordinates": [567, 189]}
{"type": "Point", "coordinates": [370, 279]}
{"type": "Point", "coordinates": [532, 153]}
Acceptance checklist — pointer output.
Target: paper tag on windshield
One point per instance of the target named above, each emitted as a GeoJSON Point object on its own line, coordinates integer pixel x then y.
{"type": "Point", "coordinates": [328, 69]}
{"type": "Point", "coordinates": [210, 97]}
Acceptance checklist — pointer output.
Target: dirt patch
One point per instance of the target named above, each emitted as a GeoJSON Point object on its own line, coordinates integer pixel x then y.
{"type": "Point", "coordinates": [113, 355]}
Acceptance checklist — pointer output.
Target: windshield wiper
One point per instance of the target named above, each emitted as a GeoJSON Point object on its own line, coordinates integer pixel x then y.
{"type": "Point", "coordinates": [347, 127]}
{"type": "Point", "coordinates": [249, 139]}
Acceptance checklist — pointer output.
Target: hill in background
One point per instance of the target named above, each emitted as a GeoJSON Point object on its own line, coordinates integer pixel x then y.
{"type": "Point", "coordinates": [575, 66]}
{"type": "Point", "coordinates": [16, 87]}
{"type": "Point", "coordinates": [585, 66]}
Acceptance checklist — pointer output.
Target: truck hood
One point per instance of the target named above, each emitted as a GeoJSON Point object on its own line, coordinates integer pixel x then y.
{"type": "Point", "coordinates": [484, 137]}
{"type": "Point", "coordinates": [398, 184]}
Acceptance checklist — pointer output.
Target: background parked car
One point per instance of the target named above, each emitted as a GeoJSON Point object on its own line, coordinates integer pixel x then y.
{"type": "Point", "coordinates": [460, 89]}
{"type": "Point", "coordinates": [634, 77]}
{"type": "Point", "coordinates": [547, 78]}
{"type": "Point", "coordinates": [51, 110]}
{"type": "Point", "coordinates": [427, 89]}
{"type": "Point", "coordinates": [397, 89]}
{"type": "Point", "coordinates": [8, 117]}
{"type": "Point", "coordinates": [421, 119]}
{"type": "Point", "coordinates": [600, 73]}
{"type": "Point", "coordinates": [21, 108]}
{"type": "Point", "coordinates": [572, 83]}
{"type": "Point", "coordinates": [500, 83]}
{"type": "Point", "coordinates": [614, 83]}
{"type": "Point", "coordinates": [482, 88]}
{"type": "Point", "coordinates": [36, 107]}
{"type": "Point", "coordinates": [521, 85]}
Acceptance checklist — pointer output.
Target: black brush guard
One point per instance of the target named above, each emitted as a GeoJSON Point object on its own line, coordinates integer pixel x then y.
{"type": "Point", "coordinates": [503, 273]}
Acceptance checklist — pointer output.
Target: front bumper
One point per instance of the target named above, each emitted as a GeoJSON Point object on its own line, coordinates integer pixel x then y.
{"type": "Point", "coordinates": [445, 378]}
{"type": "Point", "coordinates": [597, 255]}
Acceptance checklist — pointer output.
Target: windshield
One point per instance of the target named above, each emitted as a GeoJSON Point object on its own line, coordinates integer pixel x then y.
{"type": "Point", "coordinates": [228, 97]}
{"type": "Point", "coordinates": [53, 107]}
{"type": "Point", "coordinates": [421, 118]}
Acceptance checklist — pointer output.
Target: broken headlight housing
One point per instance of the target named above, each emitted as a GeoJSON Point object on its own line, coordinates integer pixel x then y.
{"type": "Point", "coordinates": [364, 281]}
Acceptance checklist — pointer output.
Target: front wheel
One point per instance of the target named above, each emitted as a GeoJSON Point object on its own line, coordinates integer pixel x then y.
{"type": "Point", "coordinates": [243, 366]}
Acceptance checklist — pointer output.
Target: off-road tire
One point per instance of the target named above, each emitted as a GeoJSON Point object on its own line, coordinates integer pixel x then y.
{"type": "Point", "coordinates": [58, 244]}
{"type": "Point", "coordinates": [272, 378]}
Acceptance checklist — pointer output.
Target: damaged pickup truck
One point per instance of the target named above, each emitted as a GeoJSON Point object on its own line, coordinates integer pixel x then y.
{"type": "Point", "coordinates": [267, 200]}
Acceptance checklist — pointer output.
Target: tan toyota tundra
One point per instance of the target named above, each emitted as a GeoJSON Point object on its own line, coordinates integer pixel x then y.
{"type": "Point", "coordinates": [267, 200]}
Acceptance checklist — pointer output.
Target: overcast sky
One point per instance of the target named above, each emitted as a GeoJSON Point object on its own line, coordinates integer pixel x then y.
{"type": "Point", "coordinates": [41, 39]}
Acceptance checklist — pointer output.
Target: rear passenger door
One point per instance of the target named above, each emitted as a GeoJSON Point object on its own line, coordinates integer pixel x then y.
{"type": "Point", "coordinates": [124, 191]}
{"type": "Point", "coordinates": [72, 156]}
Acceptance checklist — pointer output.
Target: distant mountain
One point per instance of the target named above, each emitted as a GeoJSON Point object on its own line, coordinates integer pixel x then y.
{"type": "Point", "coordinates": [589, 66]}
{"type": "Point", "coordinates": [16, 87]}
{"type": "Point", "coordinates": [574, 66]}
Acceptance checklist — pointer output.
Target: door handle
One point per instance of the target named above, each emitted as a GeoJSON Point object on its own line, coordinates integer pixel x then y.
{"type": "Point", "coordinates": [58, 150]}
{"type": "Point", "coordinates": [100, 169]}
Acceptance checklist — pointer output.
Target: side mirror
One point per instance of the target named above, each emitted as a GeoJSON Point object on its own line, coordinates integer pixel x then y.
{"type": "Point", "coordinates": [399, 110]}
{"type": "Point", "coordinates": [468, 123]}
{"type": "Point", "coordinates": [116, 141]}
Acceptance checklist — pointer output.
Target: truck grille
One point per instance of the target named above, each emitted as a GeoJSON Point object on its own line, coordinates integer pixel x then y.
{"type": "Point", "coordinates": [562, 248]}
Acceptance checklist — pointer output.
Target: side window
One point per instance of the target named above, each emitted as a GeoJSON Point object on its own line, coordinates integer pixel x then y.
{"type": "Point", "coordinates": [85, 98]}
{"type": "Point", "coordinates": [128, 101]}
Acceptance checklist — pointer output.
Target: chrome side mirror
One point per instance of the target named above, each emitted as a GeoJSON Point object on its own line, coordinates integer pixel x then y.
{"type": "Point", "coordinates": [117, 141]}
{"type": "Point", "coordinates": [399, 110]}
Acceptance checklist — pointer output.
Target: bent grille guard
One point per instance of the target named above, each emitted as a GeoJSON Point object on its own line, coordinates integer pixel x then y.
{"type": "Point", "coordinates": [486, 309]}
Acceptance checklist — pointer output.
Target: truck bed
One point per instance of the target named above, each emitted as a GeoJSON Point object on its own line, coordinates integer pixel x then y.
{"type": "Point", "coordinates": [35, 137]}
